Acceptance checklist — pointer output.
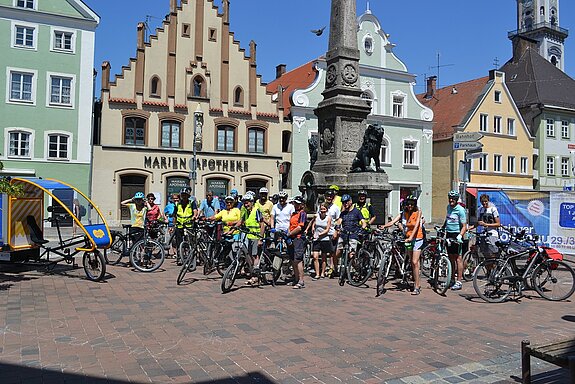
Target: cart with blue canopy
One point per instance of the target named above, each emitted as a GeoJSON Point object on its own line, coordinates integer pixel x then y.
{"type": "Point", "coordinates": [69, 210]}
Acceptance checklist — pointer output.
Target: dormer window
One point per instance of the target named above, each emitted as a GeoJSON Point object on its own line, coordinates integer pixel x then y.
{"type": "Point", "coordinates": [28, 4]}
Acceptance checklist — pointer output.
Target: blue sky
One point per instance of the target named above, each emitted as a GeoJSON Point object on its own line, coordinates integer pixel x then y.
{"type": "Point", "coordinates": [468, 35]}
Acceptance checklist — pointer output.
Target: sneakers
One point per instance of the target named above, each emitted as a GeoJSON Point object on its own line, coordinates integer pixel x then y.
{"type": "Point", "coordinates": [299, 285]}
{"type": "Point", "coordinates": [416, 291]}
{"type": "Point", "coordinates": [456, 286]}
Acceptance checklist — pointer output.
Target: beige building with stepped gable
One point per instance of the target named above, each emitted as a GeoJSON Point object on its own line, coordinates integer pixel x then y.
{"type": "Point", "coordinates": [144, 137]}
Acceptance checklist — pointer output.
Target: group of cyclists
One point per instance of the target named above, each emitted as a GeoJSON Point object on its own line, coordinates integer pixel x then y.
{"type": "Point", "coordinates": [338, 221]}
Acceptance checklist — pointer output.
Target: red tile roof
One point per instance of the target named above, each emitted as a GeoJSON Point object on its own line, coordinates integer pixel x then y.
{"type": "Point", "coordinates": [155, 103]}
{"type": "Point", "coordinates": [120, 100]}
{"type": "Point", "coordinates": [450, 109]}
{"type": "Point", "coordinates": [299, 78]}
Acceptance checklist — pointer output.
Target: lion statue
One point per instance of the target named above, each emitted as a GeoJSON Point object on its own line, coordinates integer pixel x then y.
{"type": "Point", "coordinates": [370, 149]}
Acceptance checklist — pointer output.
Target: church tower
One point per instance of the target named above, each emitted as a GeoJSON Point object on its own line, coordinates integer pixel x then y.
{"type": "Point", "coordinates": [539, 20]}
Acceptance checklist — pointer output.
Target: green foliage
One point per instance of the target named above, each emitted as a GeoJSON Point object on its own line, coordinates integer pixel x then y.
{"type": "Point", "coordinates": [12, 190]}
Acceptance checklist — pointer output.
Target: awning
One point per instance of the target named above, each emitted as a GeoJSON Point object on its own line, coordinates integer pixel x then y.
{"type": "Point", "coordinates": [472, 192]}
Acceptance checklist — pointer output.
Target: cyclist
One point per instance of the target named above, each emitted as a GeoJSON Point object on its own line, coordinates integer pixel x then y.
{"type": "Point", "coordinates": [334, 212]}
{"type": "Point", "coordinates": [137, 215]}
{"type": "Point", "coordinates": [336, 199]}
{"type": "Point", "coordinates": [455, 226]}
{"type": "Point", "coordinates": [411, 220]}
{"type": "Point", "coordinates": [322, 231]}
{"type": "Point", "coordinates": [351, 222]}
{"type": "Point", "coordinates": [488, 220]}
{"type": "Point", "coordinates": [275, 198]}
{"type": "Point", "coordinates": [364, 207]}
{"type": "Point", "coordinates": [252, 220]}
{"type": "Point", "coordinates": [282, 212]}
{"type": "Point", "coordinates": [265, 206]}
{"type": "Point", "coordinates": [235, 195]}
{"type": "Point", "coordinates": [296, 248]}
{"type": "Point", "coordinates": [186, 212]}
{"type": "Point", "coordinates": [209, 206]}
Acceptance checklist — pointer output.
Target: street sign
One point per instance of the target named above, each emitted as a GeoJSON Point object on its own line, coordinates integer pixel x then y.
{"type": "Point", "coordinates": [474, 155]}
{"type": "Point", "coordinates": [465, 137]}
{"type": "Point", "coordinates": [466, 145]}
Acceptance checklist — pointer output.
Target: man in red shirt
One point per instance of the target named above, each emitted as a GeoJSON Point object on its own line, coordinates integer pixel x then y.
{"type": "Point", "coordinates": [296, 249]}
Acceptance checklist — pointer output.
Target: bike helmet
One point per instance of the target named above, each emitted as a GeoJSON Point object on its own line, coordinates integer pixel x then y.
{"type": "Point", "coordinates": [345, 198]}
{"type": "Point", "coordinates": [362, 192]}
{"type": "Point", "coordinates": [298, 200]}
{"type": "Point", "coordinates": [334, 187]}
{"type": "Point", "coordinates": [186, 191]}
{"type": "Point", "coordinates": [453, 194]}
{"type": "Point", "coordinates": [411, 198]}
{"type": "Point", "coordinates": [263, 190]}
{"type": "Point", "coordinates": [330, 192]}
{"type": "Point", "coordinates": [229, 198]}
{"type": "Point", "coordinates": [139, 195]}
{"type": "Point", "coordinates": [248, 197]}
{"type": "Point", "coordinates": [234, 192]}
{"type": "Point", "coordinates": [283, 195]}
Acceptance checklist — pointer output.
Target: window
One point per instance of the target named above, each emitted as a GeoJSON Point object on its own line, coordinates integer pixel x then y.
{"type": "Point", "coordinates": [550, 165]}
{"type": "Point", "coordinates": [497, 124]}
{"type": "Point", "coordinates": [24, 36]}
{"type": "Point", "coordinates": [61, 90]}
{"type": "Point", "coordinates": [524, 161]}
{"type": "Point", "coordinates": [409, 153]}
{"type": "Point", "coordinates": [29, 4]}
{"type": "Point", "coordinates": [497, 96]}
{"type": "Point", "coordinates": [511, 127]}
{"type": "Point", "coordinates": [496, 163]}
{"type": "Point", "coordinates": [170, 134]}
{"type": "Point", "coordinates": [22, 87]}
{"type": "Point", "coordinates": [483, 163]}
{"type": "Point", "coordinates": [58, 146]}
{"type": "Point", "coordinates": [239, 97]}
{"type": "Point", "coordinates": [212, 34]}
{"type": "Point", "coordinates": [226, 138]}
{"type": "Point", "coordinates": [483, 122]}
{"type": "Point", "coordinates": [186, 30]}
{"type": "Point", "coordinates": [564, 129]}
{"type": "Point", "coordinates": [510, 164]}
{"type": "Point", "coordinates": [565, 166]}
{"type": "Point", "coordinates": [19, 144]}
{"type": "Point", "coordinates": [155, 86]}
{"type": "Point", "coordinates": [134, 131]}
{"type": "Point", "coordinates": [550, 128]}
{"type": "Point", "coordinates": [385, 151]}
{"type": "Point", "coordinates": [286, 141]}
{"type": "Point", "coordinates": [397, 106]}
{"type": "Point", "coordinates": [63, 41]}
{"type": "Point", "coordinates": [256, 140]}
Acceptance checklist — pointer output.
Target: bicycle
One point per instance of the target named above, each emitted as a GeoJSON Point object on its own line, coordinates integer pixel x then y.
{"type": "Point", "coordinates": [440, 267]}
{"type": "Point", "coordinates": [360, 267]}
{"type": "Point", "coordinates": [345, 258]}
{"type": "Point", "coordinates": [553, 279]}
{"type": "Point", "coordinates": [93, 261]}
{"type": "Point", "coordinates": [237, 264]}
{"type": "Point", "coordinates": [145, 253]}
{"type": "Point", "coordinates": [393, 246]}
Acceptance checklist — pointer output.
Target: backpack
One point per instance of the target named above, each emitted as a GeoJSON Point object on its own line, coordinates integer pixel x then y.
{"type": "Point", "coordinates": [82, 211]}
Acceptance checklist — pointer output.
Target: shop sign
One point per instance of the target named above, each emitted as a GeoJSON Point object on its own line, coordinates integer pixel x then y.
{"type": "Point", "coordinates": [203, 164]}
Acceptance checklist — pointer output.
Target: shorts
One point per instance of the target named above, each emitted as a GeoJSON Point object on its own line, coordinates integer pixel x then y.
{"type": "Point", "coordinates": [454, 248]}
{"type": "Point", "coordinates": [414, 245]}
{"type": "Point", "coordinates": [488, 247]}
{"type": "Point", "coordinates": [323, 246]}
{"type": "Point", "coordinates": [252, 247]}
{"type": "Point", "coordinates": [352, 244]}
{"type": "Point", "coordinates": [296, 249]}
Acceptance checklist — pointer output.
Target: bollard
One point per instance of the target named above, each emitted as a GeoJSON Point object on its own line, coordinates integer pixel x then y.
{"type": "Point", "coordinates": [525, 362]}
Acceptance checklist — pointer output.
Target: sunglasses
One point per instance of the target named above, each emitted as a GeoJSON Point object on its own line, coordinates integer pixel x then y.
{"type": "Point", "coordinates": [151, 198]}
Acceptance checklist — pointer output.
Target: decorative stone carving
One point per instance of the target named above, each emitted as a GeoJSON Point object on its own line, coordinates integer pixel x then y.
{"type": "Point", "coordinates": [312, 146]}
{"type": "Point", "coordinates": [349, 74]}
{"type": "Point", "coordinates": [331, 75]}
{"type": "Point", "coordinates": [299, 122]}
{"type": "Point", "coordinates": [300, 99]}
{"type": "Point", "coordinates": [427, 134]}
{"type": "Point", "coordinates": [327, 136]}
{"type": "Point", "coordinates": [369, 150]}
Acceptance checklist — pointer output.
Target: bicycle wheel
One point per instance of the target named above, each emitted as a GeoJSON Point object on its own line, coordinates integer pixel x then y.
{"type": "Point", "coordinates": [116, 251]}
{"type": "Point", "coordinates": [186, 265]}
{"type": "Point", "coordinates": [222, 259]}
{"type": "Point", "coordinates": [470, 262]}
{"type": "Point", "coordinates": [554, 280]}
{"type": "Point", "coordinates": [426, 259]}
{"type": "Point", "coordinates": [147, 255]}
{"type": "Point", "coordinates": [184, 253]}
{"type": "Point", "coordinates": [230, 276]}
{"type": "Point", "coordinates": [94, 265]}
{"type": "Point", "coordinates": [493, 280]}
{"type": "Point", "coordinates": [382, 272]}
{"type": "Point", "coordinates": [359, 268]}
{"type": "Point", "coordinates": [342, 271]}
{"type": "Point", "coordinates": [441, 274]}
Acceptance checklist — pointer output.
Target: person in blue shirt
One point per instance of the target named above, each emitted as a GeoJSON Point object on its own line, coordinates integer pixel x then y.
{"type": "Point", "coordinates": [351, 222]}
{"type": "Point", "coordinates": [210, 206]}
{"type": "Point", "coordinates": [237, 203]}
{"type": "Point", "coordinates": [455, 227]}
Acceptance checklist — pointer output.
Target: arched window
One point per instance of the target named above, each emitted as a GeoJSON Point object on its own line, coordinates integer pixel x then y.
{"type": "Point", "coordinates": [239, 96]}
{"type": "Point", "coordinates": [58, 146]}
{"type": "Point", "coordinates": [198, 87]}
{"type": "Point", "coordinates": [385, 154]}
{"type": "Point", "coordinates": [256, 140]}
{"type": "Point", "coordinates": [129, 185]}
{"type": "Point", "coordinates": [134, 131]}
{"type": "Point", "coordinates": [369, 97]}
{"type": "Point", "coordinates": [254, 185]}
{"type": "Point", "coordinates": [554, 60]}
{"type": "Point", "coordinates": [542, 11]}
{"type": "Point", "coordinates": [155, 86]}
{"type": "Point", "coordinates": [170, 134]}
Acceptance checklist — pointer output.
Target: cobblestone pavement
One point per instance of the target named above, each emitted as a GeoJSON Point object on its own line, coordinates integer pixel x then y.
{"type": "Point", "coordinates": [134, 327]}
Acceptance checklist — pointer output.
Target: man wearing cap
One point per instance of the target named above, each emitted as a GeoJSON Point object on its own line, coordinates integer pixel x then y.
{"type": "Point", "coordinates": [334, 212]}
{"type": "Point", "coordinates": [252, 219]}
{"type": "Point", "coordinates": [336, 197]}
{"type": "Point", "coordinates": [364, 207]}
{"type": "Point", "coordinates": [235, 195]}
{"type": "Point", "coordinates": [351, 222]}
{"type": "Point", "coordinates": [265, 206]}
{"type": "Point", "coordinates": [186, 212]}
{"type": "Point", "coordinates": [296, 249]}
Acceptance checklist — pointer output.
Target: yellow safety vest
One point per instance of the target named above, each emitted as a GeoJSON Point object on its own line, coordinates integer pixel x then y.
{"type": "Point", "coordinates": [184, 216]}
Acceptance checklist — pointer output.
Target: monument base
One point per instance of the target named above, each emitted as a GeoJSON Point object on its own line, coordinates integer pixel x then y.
{"type": "Point", "coordinates": [314, 184]}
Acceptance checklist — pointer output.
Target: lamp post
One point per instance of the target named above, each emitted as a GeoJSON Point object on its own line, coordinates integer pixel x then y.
{"type": "Point", "coordinates": [198, 125]}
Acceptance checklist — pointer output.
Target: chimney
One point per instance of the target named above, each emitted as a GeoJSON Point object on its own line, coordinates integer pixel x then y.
{"type": "Point", "coordinates": [280, 70]}
{"type": "Point", "coordinates": [431, 87]}
{"type": "Point", "coordinates": [106, 76]}
{"type": "Point", "coordinates": [141, 35]}
{"type": "Point", "coordinates": [520, 45]}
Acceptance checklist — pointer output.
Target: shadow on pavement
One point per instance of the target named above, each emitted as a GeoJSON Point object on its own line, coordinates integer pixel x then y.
{"type": "Point", "coordinates": [568, 318]}
{"type": "Point", "coordinates": [11, 373]}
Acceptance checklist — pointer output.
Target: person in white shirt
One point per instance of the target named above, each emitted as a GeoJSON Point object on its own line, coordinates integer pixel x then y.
{"type": "Point", "coordinates": [488, 220]}
{"type": "Point", "coordinates": [334, 212]}
{"type": "Point", "coordinates": [281, 213]}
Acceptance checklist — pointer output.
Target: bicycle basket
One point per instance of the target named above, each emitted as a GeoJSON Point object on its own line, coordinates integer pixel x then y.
{"type": "Point", "coordinates": [553, 254]}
